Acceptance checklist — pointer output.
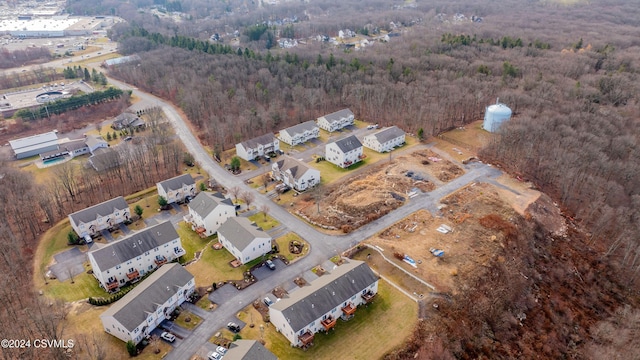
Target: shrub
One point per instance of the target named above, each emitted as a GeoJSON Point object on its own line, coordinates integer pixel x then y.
{"type": "Point", "coordinates": [131, 348]}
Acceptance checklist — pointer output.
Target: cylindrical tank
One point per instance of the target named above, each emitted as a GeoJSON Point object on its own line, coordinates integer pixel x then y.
{"type": "Point", "coordinates": [495, 115]}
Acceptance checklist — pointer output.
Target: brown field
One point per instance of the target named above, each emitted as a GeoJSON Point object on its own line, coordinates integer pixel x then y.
{"type": "Point", "coordinates": [372, 193]}
{"type": "Point", "coordinates": [469, 244]}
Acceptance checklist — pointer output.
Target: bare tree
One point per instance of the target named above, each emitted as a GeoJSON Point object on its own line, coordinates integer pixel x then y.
{"type": "Point", "coordinates": [264, 208]}
{"type": "Point", "coordinates": [247, 197]}
{"type": "Point", "coordinates": [234, 191]}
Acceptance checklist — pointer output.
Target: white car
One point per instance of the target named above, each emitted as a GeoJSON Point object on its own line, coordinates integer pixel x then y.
{"type": "Point", "coordinates": [168, 336]}
{"type": "Point", "coordinates": [214, 356]}
{"type": "Point", "coordinates": [221, 350]}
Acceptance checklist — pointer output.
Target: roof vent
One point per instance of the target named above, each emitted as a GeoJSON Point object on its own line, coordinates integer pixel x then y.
{"type": "Point", "coordinates": [333, 293]}
{"type": "Point", "coordinates": [312, 306]}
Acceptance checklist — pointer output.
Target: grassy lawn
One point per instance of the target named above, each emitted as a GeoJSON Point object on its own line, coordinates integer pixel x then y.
{"type": "Point", "coordinates": [191, 242]}
{"type": "Point", "coordinates": [283, 245]}
{"type": "Point", "coordinates": [204, 303]}
{"type": "Point", "coordinates": [194, 321]}
{"type": "Point", "coordinates": [214, 266]}
{"type": "Point", "coordinates": [84, 286]}
{"type": "Point", "coordinates": [375, 330]}
{"type": "Point", "coordinates": [330, 172]}
{"type": "Point", "coordinates": [226, 159]}
{"type": "Point", "coordinates": [265, 224]}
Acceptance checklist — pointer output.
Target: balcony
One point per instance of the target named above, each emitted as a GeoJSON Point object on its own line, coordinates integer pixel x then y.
{"type": "Point", "coordinates": [349, 310]}
{"type": "Point", "coordinates": [329, 323]}
{"type": "Point", "coordinates": [160, 260]}
{"type": "Point", "coordinates": [368, 296]}
{"type": "Point", "coordinates": [306, 338]}
{"type": "Point", "coordinates": [179, 252]}
{"type": "Point", "coordinates": [112, 285]}
{"type": "Point", "coordinates": [133, 275]}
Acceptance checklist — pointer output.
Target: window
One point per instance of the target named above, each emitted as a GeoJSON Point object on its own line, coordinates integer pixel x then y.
{"type": "Point", "coordinates": [121, 281]}
{"type": "Point", "coordinates": [150, 267]}
{"type": "Point", "coordinates": [118, 267]}
{"type": "Point", "coordinates": [147, 253]}
{"type": "Point", "coordinates": [130, 270]}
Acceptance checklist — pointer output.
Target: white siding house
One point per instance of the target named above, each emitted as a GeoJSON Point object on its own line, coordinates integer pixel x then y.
{"type": "Point", "coordinates": [251, 149]}
{"type": "Point", "coordinates": [176, 189]}
{"type": "Point", "coordinates": [244, 239]}
{"type": "Point", "coordinates": [208, 211]}
{"type": "Point", "coordinates": [141, 310]}
{"type": "Point", "coordinates": [300, 133]}
{"type": "Point", "coordinates": [295, 173]}
{"type": "Point", "coordinates": [92, 220]}
{"type": "Point", "coordinates": [126, 260]}
{"type": "Point", "coordinates": [317, 307]}
{"type": "Point", "coordinates": [385, 139]}
{"type": "Point", "coordinates": [344, 152]}
{"type": "Point", "coordinates": [337, 120]}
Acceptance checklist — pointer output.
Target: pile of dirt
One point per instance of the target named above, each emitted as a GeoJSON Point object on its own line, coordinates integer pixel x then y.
{"type": "Point", "coordinates": [443, 169]}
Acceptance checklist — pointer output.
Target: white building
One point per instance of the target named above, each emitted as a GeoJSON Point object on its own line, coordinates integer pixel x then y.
{"type": "Point", "coordinates": [337, 120]}
{"type": "Point", "coordinates": [300, 133]}
{"type": "Point", "coordinates": [251, 149]}
{"type": "Point", "coordinates": [34, 145]}
{"type": "Point", "coordinates": [208, 211]}
{"type": "Point", "coordinates": [141, 310]}
{"type": "Point", "coordinates": [385, 140]}
{"type": "Point", "coordinates": [344, 152]}
{"type": "Point", "coordinates": [126, 260]}
{"type": "Point", "coordinates": [294, 173]}
{"type": "Point", "coordinates": [317, 307]}
{"type": "Point", "coordinates": [176, 189]}
{"type": "Point", "coordinates": [244, 239]}
{"type": "Point", "coordinates": [106, 215]}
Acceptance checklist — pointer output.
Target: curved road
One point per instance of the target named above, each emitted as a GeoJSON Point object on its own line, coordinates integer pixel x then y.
{"type": "Point", "coordinates": [323, 246]}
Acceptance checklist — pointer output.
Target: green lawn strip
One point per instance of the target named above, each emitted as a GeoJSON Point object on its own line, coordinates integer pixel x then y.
{"type": "Point", "coordinates": [265, 223]}
{"type": "Point", "coordinates": [191, 242]}
{"type": "Point", "coordinates": [330, 172]}
{"type": "Point", "coordinates": [84, 286]}
{"type": "Point", "coordinates": [204, 303]}
{"type": "Point", "coordinates": [283, 245]}
{"type": "Point", "coordinates": [194, 321]}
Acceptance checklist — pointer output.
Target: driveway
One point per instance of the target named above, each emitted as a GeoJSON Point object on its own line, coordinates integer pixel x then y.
{"type": "Point", "coordinates": [263, 272]}
{"type": "Point", "coordinates": [68, 263]}
{"type": "Point", "coordinates": [223, 294]}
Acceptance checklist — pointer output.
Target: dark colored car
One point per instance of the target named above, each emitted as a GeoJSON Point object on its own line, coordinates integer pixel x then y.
{"type": "Point", "coordinates": [233, 327]}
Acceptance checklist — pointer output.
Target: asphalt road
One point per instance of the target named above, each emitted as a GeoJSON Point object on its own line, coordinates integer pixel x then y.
{"type": "Point", "coordinates": [322, 246]}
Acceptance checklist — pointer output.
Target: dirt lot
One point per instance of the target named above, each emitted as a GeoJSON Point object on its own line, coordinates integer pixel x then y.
{"type": "Point", "coordinates": [467, 246]}
{"type": "Point", "coordinates": [362, 198]}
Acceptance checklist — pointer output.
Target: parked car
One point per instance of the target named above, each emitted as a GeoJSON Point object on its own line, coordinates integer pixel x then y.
{"type": "Point", "coordinates": [267, 301]}
{"type": "Point", "coordinates": [233, 327]}
{"type": "Point", "coordinates": [214, 356]}
{"type": "Point", "coordinates": [168, 336]}
{"type": "Point", "coordinates": [271, 265]}
{"type": "Point", "coordinates": [266, 158]}
{"type": "Point", "coordinates": [221, 350]}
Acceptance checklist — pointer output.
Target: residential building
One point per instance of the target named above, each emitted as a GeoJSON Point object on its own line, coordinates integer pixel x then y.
{"type": "Point", "coordinates": [248, 350]}
{"type": "Point", "coordinates": [70, 148]}
{"type": "Point", "coordinates": [141, 310]}
{"type": "Point", "coordinates": [317, 307]}
{"type": "Point", "coordinates": [259, 146]}
{"type": "Point", "coordinates": [127, 120]}
{"type": "Point", "coordinates": [104, 159]}
{"type": "Point", "coordinates": [208, 211]}
{"type": "Point", "coordinates": [337, 120]}
{"type": "Point", "coordinates": [34, 145]}
{"type": "Point", "coordinates": [106, 215]}
{"type": "Point", "coordinates": [95, 142]}
{"type": "Point", "coordinates": [385, 139]}
{"type": "Point", "coordinates": [176, 189]}
{"type": "Point", "coordinates": [126, 260]}
{"type": "Point", "coordinates": [244, 239]}
{"type": "Point", "coordinates": [344, 152]}
{"type": "Point", "coordinates": [300, 133]}
{"type": "Point", "coordinates": [294, 173]}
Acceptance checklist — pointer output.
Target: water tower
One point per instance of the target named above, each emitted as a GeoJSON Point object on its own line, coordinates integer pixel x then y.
{"type": "Point", "coordinates": [495, 115]}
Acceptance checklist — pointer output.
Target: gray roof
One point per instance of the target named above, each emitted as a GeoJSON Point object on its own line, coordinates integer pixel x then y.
{"type": "Point", "coordinates": [134, 245]}
{"type": "Point", "coordinates": [122, 60]}
{"type": "Point", "coordinates": [74, 145]}
{"type": "Point", "coordinates": [204, 203]}
{"type": "Point", "coordinates": [104, 158]}
{"type": "Point", "coordinates": [93, 141]}
{"type": "Point", "coordinates": [34, 142]}
{"type": "Point", "coordinates": [309, 303]}
{"type": "Point", "coordinates": [300, 128]}
{"type": "Point", "coordinates": [240, 232]}
{"type": "Point", "coordinates": [177, 182]}
{"type": "Point", "coordinates": [388, 134]}
{"type": "Point", "coordinates": [127, 119]}
{"type": "Point", "coordinates": [296, 168]}
{"type": "Point", "coordinates": [135, 306]}
{"type": "Point", "coordinates": [260, 140]}
{"type": "Point", "coordinates": [248, 350]}
{"type": "Point", "coordinates": [336, 116]}
{"type": "Point", "coordinates": [349, 143]}
{"type": "Point", "coordinates": [105, 208]}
